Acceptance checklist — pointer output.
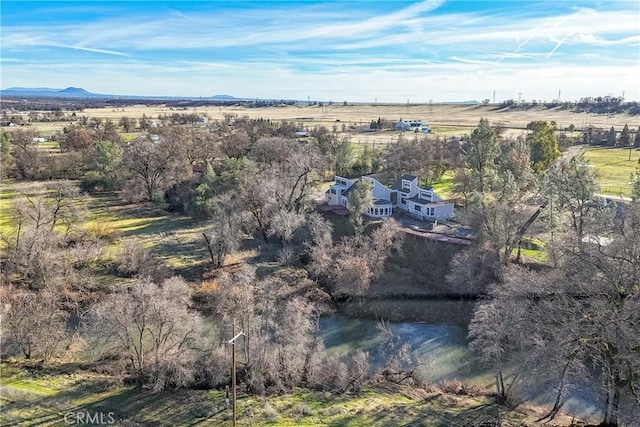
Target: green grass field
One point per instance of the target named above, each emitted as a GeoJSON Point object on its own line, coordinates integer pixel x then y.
{"type": "Point", "coordinates": [6, 197]}
{"type": "Point", "coordinates": [173, 239]}
{"type": "Point", "coordinates": [37, 396]}
{"type": "Point", "coordinates": [613, 168]}
{"type": "Point", "coordinates": [443, 188]}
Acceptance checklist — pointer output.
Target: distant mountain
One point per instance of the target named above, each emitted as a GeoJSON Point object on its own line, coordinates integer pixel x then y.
{"type": "Point", "coordinates": [75, 91]}
{"type": "Point", "coordinates": [459, 102]}
{"type": "Point", "coordinates": [224, 97]}
{"type": "Point", "coordinates": [50, 92]}
{"type": "Point", "coordinates": [31, 89]}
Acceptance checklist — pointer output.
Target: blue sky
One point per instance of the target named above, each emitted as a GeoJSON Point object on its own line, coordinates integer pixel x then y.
{"type": "Point", "coordinates": [357, 51]}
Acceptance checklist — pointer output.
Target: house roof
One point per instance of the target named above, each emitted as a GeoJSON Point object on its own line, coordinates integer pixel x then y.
{"type": "Point", "coordinates": [380, 202]}
{"type": "Point", "coordinates": [417, 199]}
{"type": "Point", "coordinates": [348, 190]}
{"type": "Point", "coordinates": [427, 202]}
{"type": "Point", "coordinates": [398, 184]}
{"type": "Point", "coordinates": [424, 202]}
{"type": "Point", "coordinates": [427, 187]}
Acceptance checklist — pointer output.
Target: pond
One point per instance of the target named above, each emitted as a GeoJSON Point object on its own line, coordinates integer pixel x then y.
{"type": "Point", "coordinates": [442, 347]}
{"type": "Point", "coordinates": [440, 343]}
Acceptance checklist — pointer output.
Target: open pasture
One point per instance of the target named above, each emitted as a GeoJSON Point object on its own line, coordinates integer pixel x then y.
{"type": "Point", "coordinates": [173, 239]}
{"type": "Point", "coordinates": [448, 116]}
{"type": "Point", "coordinates": [614, 168]}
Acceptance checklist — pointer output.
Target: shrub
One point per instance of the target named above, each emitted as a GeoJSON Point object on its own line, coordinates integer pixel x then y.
{"type": "Point", "coordinates": [270, 414]}
{"type": "Point", "coordinates": [286, 256]}
{"type": "Point", "coordinates": [333, 411]}
{"type": "Point", "coordinates": [453, 386]}
{"type": "Point", "coordinates": [94, 181]}
{"type": "Point", "coordinates": [103, 230]}
{"type": "Point", "coordinates": [133, 258]}
{"type": "Point", "coordinates": [477, 390]}
{"type": "Point", "coordinates": [304, 410]}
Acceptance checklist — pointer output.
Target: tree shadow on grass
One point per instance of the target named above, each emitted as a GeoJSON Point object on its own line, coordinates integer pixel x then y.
{"type": "Point", "coordinates": [133, 405]}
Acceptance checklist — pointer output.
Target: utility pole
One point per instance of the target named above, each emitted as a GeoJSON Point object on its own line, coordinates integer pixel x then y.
{"type": "Point", "coordinates": [233, 369]}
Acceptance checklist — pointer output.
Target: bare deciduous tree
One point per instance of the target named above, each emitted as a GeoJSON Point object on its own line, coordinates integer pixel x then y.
{"type": "Point", "coordinates": [352, 276]}
{"type": "Point", "coordinates": [383, 240]}
{"type": "Point", "coordinates": [28, 160]}
{"type": "Point", "coordinates": [583, 313]}
{"type": "Point", "coordinates": [33, 323]}
{"type": "Point", "coordinates": [223, 237]}
{"type": "Point", "coordinates": [32, 245]}
{"type": "Point", "coordinates": [277, 348]}
{"type": "Point", "coordinates": [152, 327]}
{"type": "Point", "coordinates": [472, 270]}
{"type": "Point", "coordinates": [155, 166]}
{"type": "Point", "coordinates": [235, 144]}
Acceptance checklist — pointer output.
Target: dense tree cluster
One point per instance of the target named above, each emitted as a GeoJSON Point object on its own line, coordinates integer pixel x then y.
{"type": "Point", "coordinates": [570, 322]}
{"type": "Point", "coordinates": [573, 323]}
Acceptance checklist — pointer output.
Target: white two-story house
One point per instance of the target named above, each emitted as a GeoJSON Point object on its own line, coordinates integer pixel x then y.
{"type": "Point", "coordinates": [405, 194]}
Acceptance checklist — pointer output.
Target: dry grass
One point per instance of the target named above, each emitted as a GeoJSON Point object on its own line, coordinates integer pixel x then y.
{"type": "Point", "coordinates": [445, 118]}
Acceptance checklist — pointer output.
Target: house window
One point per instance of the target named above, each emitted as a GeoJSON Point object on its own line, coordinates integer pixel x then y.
{"type": "Point", "coordinates": [431, 211]}
{"type": "Point", "coordinates": [333, 191]}
{"type": "Point", "coordinates": [418, 208]}
{"type": "Point", "coordinates": [402, 200]}
{"type": "Point", "coordinates": [376, 212]}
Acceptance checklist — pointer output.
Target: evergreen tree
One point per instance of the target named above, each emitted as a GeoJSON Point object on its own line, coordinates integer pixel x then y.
{"type": "Point", "coordinates": [625, 138]}
{"type": "Point", "coordinates": [611, 137]}
{"type": "Point", "coordinates": [635, 181]}
{"type": "Point", "coordinates": [108, 162]}
{"type": "Point", "coordinates": [482, 153]}
{"type": "Point", "coordinates": [6, 159]}
{"type": "Point", "coordinates": [360, 199]}
{"type": "Point", "coordinates": [544, 144]}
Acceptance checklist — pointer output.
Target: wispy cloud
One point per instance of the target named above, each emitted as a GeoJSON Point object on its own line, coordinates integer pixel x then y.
{"type": "Point", "coordinates": [90, 49]}
{"type": "Point", "coordinates": [292, 44]}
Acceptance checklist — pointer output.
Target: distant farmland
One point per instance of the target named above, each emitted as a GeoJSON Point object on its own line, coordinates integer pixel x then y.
{"type": "Point", "coordinates": [614, 168]}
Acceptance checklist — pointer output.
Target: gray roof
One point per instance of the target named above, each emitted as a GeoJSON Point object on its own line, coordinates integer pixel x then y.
{"type": "Point", "coordinates": [380, 202]}
{"type": "Point", "coordinates": [417, 199]}
{"type": "Point", "coordinates": [427, 187]}
{"type": "Point", "coordinates": [348, 190]}
{"type": "Point", "coordinates": [398, 184]}
{"type": "Point", "coordinates": [426, 202]}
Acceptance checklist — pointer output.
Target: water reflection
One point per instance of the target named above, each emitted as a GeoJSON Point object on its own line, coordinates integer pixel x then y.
{"type": "Point", "coordinates": [437, 333]}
